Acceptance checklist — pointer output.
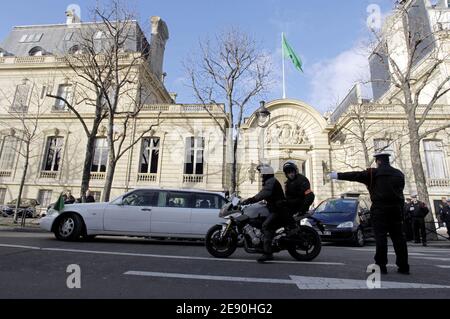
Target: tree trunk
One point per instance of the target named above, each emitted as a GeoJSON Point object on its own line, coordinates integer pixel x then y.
{"type": "Point", "coordinates": [22, 183]}
{"type": "Point", "coordinates": [111, 161]}
{"type": "Point", "coordinates": [417, 167]}
{"type": "Point", "coordinates": [234, 166]}
{"type": "Point", "coordinates": [109, 181]}
{"type": "Point", "coordinates": [366, 155]}
{"type": "Point", "coordinates": [89, 156]}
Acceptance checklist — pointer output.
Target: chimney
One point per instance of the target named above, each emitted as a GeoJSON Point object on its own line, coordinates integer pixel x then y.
{"type": "Point", "coordinates": [72, 17]}
{"type": "Point", "coordinates": [160, 35]}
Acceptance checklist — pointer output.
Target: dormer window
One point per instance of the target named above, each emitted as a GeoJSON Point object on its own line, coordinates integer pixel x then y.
{"type": "Point", "coordinates": [68, 36]}
{"type": "Point", "coordinates": [3, 53]}
{"type": "Point", "coordinates": [31, 38]}
{"type": "Point", "coordinates": [99, 35]}
{"type": "Point", "coordinates": [76, 49]}
{"type": "Point", "coordinates": [37, 51]}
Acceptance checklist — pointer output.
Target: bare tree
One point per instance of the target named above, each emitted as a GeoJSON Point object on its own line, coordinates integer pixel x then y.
{"type": "Point", "coordinates": [415, 65]}
{"type": "Point", "coordinates": [125, 86]}
{"type": "Point", "coordinates": [230, 69]}
{"type": "Point", "coordinates": [109, 78]}
{"type": "Point", "coordinates": [24, 111]}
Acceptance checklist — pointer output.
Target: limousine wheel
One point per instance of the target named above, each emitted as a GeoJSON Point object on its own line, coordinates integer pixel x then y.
{"type": "Point", "coordinates": [220, 247]}
{"type": "Point", "coordinates": [69, 227]}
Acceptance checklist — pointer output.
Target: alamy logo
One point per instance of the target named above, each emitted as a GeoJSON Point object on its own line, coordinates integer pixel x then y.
{"type": "Point", "coordinates": [374, 279]}
{"type": "Point", "coordinates": [374, 18]}
{"type": "Point", "coordinates": [74, 279]}
{"type": "Point", "coordinates": [75, 9]}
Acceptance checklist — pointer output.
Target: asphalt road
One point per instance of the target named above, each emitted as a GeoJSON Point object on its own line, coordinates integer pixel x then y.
{"type": "Point", "coordinates": [35, 265]}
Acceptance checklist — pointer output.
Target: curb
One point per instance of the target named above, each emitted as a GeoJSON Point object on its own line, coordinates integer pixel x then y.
{"type": "Point", "coordinates": [22, 230]}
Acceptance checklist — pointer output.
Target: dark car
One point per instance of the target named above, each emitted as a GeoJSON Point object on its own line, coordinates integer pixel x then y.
{"type": "Point", "coordinates": [346, 219]}
{"type": "Point", "coordinates": [26, 205]}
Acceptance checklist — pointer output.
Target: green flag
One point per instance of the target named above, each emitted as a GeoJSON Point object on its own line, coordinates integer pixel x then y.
{"type": "Point", "coordinates": [59, 205]}
{"type": "Point", "coordinates": [288, 51]}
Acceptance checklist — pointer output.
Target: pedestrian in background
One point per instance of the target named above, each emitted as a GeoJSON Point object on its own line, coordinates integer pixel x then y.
{"type": "Point", "coordinates": [407, 221]}
{"type": "Point", "coordinates": [419, 211]}
{"type": "Point", "coordinates": [444, 214]}
{"type": "Point", "coordinates": [385, 185]}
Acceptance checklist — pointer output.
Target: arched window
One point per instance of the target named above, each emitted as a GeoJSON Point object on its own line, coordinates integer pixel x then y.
{"type": "Point", "coordinates": [76, 49]}
{"type": "Point", "coordinates": [36, 51]}
{"type": "Point", "coordinates": [4, 53]}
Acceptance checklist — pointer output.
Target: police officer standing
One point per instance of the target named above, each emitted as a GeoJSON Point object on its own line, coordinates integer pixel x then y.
{"type": "Point", "coordinates": [385, 185]}
{"type": "Point", "coordinates": [444, 213]}
{"type": "Point", "coordinates": [272, 193]}
{"type": "Point", "coordinates": [407, 221]}
{"type": "Point", "coordinates": [299, 196]}
{"type": "Point", "coordinates": [418, 212]}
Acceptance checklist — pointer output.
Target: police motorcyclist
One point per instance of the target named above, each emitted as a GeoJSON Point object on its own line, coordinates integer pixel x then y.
{"type": "Point", "coordinates": [385, 185]}
{"type": "Point", "coordinates": [272, 193]}
{"type": "Point", "coordinates": [299, 196]}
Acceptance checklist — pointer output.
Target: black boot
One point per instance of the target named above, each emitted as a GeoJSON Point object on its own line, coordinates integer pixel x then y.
{"type": "Point", "coordinates": [383, 269]}
{"type": "Point", "coordinates": [264, 258]}
{"type": "Point", "coordinates": [403, 271]}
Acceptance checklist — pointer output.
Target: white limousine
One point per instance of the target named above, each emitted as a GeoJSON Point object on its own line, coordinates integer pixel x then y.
{"type": "Point", "coordinates": [155, 213]}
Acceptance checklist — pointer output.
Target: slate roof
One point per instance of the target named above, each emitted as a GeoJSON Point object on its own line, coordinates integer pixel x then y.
{"type": "Point", "coordinates": [55, 39]}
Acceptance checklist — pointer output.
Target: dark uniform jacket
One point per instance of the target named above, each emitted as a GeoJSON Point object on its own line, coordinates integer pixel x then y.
{"type": "Point", "coordinates": [418, 210]}
{"type": "Point", "coordinates": [299, 196]}
{"type": "Point", "coordinates": [385, 185]}
{"type": "Point", "coordinates": [444, 213]}
{"type": "Point", "coordinates": [272, 193]}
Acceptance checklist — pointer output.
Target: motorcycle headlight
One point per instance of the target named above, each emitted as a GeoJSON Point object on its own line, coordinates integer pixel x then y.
{"type": "Point", "coordinates": [305, 222]}
{"type": "Point", "coordinates": [346, 225]}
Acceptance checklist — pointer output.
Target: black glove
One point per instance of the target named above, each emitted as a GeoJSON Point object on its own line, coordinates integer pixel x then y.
{"type": "Point", "coordinates": [281, 204]}
{"type": "Point", "coordinates": [246, 202]}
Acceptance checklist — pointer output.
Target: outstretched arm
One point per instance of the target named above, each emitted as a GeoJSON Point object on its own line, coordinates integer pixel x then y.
{"type": "Point", "coordinates": [360, 177]}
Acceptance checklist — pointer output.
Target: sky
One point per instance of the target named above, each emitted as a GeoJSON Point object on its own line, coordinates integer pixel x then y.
{"type": "Point", "coordinates": [330, 36]}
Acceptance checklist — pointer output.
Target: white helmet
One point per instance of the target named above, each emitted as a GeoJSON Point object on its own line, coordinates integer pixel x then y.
{"type": "Point", "coordinates": [265, 169]}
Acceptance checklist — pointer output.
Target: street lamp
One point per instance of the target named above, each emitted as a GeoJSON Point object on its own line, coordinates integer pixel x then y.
{"type": "Point", "coordinates": [263, 115]}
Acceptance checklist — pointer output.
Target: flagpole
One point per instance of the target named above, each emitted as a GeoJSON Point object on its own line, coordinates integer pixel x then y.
{"type": "Point", "coordinates": [282, 57]}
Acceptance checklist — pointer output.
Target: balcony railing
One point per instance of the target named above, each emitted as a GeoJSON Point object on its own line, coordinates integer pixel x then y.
{"type": "Point", "coordinates": [438, 182]}
{"type": "Point", "coordinates": [30, 59]}
{"type": "Point", "coordinates": [48, 175]}
{"type": "Point", "coordinates": [98, 176]}
{"type": "Point", "coordinates": [5, 173]}
{"type": "Point", "coordinates": [182, 108]}
{"type": "Point", "coordinates": [155, 108]}
{"type": "Point", "coordinates": [192, 179]}
{"type": "Point", "coordinates": [150, 178]}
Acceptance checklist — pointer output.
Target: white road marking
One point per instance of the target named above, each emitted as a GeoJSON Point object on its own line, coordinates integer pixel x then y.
{"type": "Point", "coordinates": [168, 256]}
{"type": "Point", "coordinates": [210, 278]}
{"type": "Point", "coordinates": [432, 258]}
{"type": "Point", "coordinates": [20, 246]}
{"type": "Point", "coordinates": [302, 282]}
{"type": "Point", "coordinates": [443, 266]}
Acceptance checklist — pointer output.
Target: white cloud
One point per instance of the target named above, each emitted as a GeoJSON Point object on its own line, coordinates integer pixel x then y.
{"type": "Point", "coordinates": [332, 79]}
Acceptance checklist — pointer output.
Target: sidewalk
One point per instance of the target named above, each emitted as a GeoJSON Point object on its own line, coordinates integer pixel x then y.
{"type": "Point", "coordinates": [31, 225]}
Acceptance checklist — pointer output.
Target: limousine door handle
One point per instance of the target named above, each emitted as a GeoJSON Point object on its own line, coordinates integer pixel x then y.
{"type": "Point", "coordinates": [146, 209]}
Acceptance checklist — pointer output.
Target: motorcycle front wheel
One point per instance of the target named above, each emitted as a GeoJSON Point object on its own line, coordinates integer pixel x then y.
{"type": "Point", "coordinates": [221, 247]}
{"type": "Point", "coordinates": [306, 245]}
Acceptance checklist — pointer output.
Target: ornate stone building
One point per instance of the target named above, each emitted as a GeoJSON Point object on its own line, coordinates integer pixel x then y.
{"type": "Point", "coordinates": [187, 149]}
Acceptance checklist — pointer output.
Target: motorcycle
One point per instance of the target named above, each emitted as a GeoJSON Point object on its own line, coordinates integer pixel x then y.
{"type": "Point", "coordinates": [243, 229]}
